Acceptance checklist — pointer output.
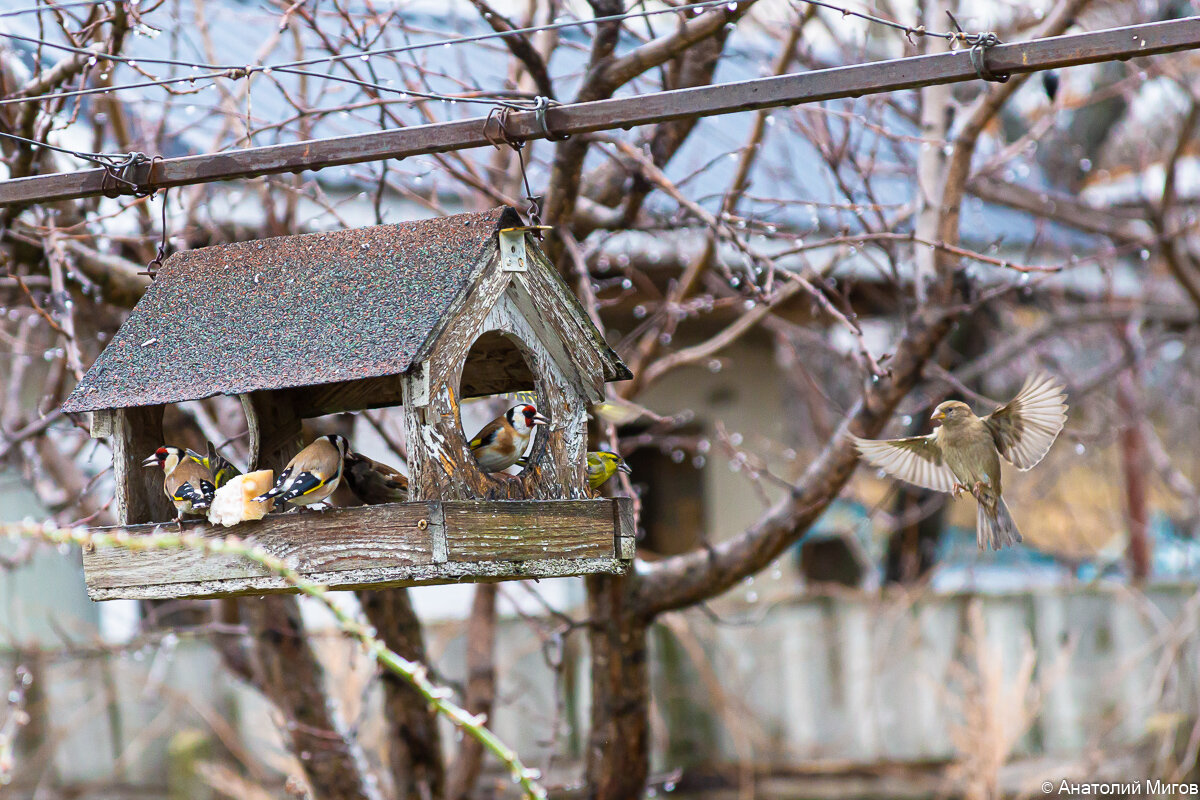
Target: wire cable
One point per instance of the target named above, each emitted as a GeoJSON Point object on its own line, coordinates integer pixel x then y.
{"type": "Point", "coordinates": [236, 71]}
{"type": "Point", "coordinates": [101, 159]}
{"type": "Point", "coordinates": [51, 7]}
{"type": "Point", "coordinates": [233, 71]}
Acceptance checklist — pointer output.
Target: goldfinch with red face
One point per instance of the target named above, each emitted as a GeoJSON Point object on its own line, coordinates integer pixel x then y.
{"type": "Point", "coordinates": [187, 483]}
{"type": "Point", "coordinates": [503, 440]}
{"type": "Point", "coordinates": [375, 483]}
{"type": "Point", "coordinates": [313, 474]}
{"type": "Point", "coordinates": [964, 452]}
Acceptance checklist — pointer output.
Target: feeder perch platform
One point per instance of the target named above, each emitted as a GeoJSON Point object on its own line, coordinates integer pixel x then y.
{"type": "Point", "coordinates": [399, 544]}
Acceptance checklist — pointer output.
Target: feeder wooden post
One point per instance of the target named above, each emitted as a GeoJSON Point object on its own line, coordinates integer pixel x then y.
{"type": "Point", "coordinates": [137, 433]}
{"type": "Point", "coordinates": [274, 430]}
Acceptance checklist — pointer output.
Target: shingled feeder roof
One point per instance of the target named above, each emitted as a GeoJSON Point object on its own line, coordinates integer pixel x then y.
{"type": "Point", "coordinates": [292, 311]}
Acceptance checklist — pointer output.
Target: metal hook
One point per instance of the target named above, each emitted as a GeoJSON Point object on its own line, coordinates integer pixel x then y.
{"type": "Point", "coordinates": [499, 117]}
{"type": "Point", "coordinates": [156, 263]}
{"type": "Point", "coordinates": [978, 53]}
{"type": "Point", "coordinates": [116, 176]}
{"type": "Point", "coordinates": [539, 112]}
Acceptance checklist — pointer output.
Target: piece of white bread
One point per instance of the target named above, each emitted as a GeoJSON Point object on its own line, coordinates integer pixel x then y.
{"type": "Point", "coordinates": [234, 502]}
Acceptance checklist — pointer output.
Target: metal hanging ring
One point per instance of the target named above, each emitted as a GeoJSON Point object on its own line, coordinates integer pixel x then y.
{"type": "Point", "coordinates": [978, 53]}
{"type": "Point", "coordinates": [539, 113]}
{"type": "Point", "coordinates": [115, 177]}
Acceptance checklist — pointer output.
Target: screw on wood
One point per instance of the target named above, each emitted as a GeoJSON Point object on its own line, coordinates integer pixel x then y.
{"type": "Point", "coordinates": [423, 524]}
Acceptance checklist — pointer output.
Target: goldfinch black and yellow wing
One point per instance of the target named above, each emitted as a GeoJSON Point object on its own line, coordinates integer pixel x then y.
{"type": "Point", "coordinates": [915, 459]}
{"type": "Point", "coordinates": [488, 435]}
{"type": "Point", "coordinates": [220, 468]}
{"type": "Point", "coordinates": [1026, 426]}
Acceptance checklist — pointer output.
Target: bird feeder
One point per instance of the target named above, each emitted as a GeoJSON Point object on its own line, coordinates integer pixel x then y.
{"type": "Point", "coordinates": [422, 314]}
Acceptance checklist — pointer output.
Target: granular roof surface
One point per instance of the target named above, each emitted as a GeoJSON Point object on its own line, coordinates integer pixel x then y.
{"type": "Point", "coordinates": [288, 312]}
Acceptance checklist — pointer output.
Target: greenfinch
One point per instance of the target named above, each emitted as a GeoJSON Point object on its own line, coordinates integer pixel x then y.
{"type": "Point", "coordinates": [602, 465]}
{"type": "Point", "coordinates": [964, 452]}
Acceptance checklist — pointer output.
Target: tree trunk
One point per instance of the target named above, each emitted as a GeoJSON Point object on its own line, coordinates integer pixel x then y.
{"type": "Point", "coordinates": [288, 672]}
{"type": "Point", "coordinates": [1135, 466]}
{"type": "Point", "coordinates": [415, 746]}
{"type": "Point", "coordinates": [481, 688]}
{"type": "Point", "coordinates": [618, 756]}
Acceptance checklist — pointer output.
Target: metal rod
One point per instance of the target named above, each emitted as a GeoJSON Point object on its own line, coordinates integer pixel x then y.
{"type": "Point", "coordinates": [785, 90]}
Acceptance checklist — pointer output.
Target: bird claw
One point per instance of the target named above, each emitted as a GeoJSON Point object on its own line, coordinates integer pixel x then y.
{"type": "Point", "coordinates": [957, 489]}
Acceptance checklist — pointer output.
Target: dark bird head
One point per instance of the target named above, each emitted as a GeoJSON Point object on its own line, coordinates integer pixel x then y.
{"type": "Point", "coordinates": [166, 457]}
{"type": "Point", "coordinates": [1050, 84]}
{"type": "Point", "coordinates": [340, 442]}
{"type": "Point", "coordinates": [952, 412]}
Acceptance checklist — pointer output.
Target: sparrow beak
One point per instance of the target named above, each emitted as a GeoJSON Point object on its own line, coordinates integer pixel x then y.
{"type": "Point", "coordinates": [151, 461]}
{"type": "Point", "coordinates": [623, 467]}
{"type": "Point", "coordinates": [538, 419]}
{"type": "Point", "coordinates": [937, 415]}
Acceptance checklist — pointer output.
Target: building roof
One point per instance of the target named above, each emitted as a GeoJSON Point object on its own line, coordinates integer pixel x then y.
{"type": "Point", "coordinates": [294, 311]}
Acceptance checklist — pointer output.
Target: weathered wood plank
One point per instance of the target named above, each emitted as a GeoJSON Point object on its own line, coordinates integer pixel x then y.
{"type": "Point", "coordinates": [520, 531]}
{"type": "Point", "coordinates": [626, 523]}
{"type": "Point", "coordinates": [400, 544]}
{"type": "Point", "coordinates": [309, 541]}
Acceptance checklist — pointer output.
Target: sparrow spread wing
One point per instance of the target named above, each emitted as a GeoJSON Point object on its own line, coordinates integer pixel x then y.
{"type": "Point", "coordinates": [1026, 426]}
{"type": "Point", "coordinates": [917, 459]}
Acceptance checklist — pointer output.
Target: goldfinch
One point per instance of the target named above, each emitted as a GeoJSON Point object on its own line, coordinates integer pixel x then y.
{"type": "Point", "coordinates": [373, 482]}
{"type": "Point", "coordinates": [313, 474]}
{"type": "Point", "coordinates": [187, 483]}
{"type": "Point", "coordinates": [964, 452]}
{"type": "Point", "coordinates": [216, 464]}
{"type": "Point", "coordinates": [503, 440]}
{"type": "Point", "coordinates": [602, 465]}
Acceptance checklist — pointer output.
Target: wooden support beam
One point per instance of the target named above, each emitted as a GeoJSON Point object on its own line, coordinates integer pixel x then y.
{"type": "Point", "coordinates": [784, 90]}
{"type": "Point", "coordinates": [136, 434]}
{"type": "Point", "coordinates": [399, 544]}
{"type": "Point", "coordinates": [275, 433]}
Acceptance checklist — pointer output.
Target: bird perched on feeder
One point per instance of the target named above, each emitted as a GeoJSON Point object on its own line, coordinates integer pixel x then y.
{"type": "Point", "coordinates": [373, 482]}
{"type": "Point", "coordinates": [187, 483]}
{"type": "Point", "coordinates": [964, 452]}
{"type": "Point", "coordinates": [313, 474]}
{"type": "Point", "coordinates": [503, 440]}
{"type": "Point", "coordinates": [217, 465]}
{"type": "Point", "coordinates": [601, 465]}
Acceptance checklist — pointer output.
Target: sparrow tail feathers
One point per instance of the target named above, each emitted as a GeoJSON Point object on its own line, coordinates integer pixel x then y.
{"type": "Point", "coordinates": [995, 527]}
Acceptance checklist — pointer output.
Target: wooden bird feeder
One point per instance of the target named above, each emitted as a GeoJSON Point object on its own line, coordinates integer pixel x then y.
{"type": "Point", "coordinates": [422, 315]}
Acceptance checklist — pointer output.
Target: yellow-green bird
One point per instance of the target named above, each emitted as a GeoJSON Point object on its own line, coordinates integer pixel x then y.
{"type": "Point", "coordinates": [602, 465]}
{"type": "Point", "coordinates": [964, 453]}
